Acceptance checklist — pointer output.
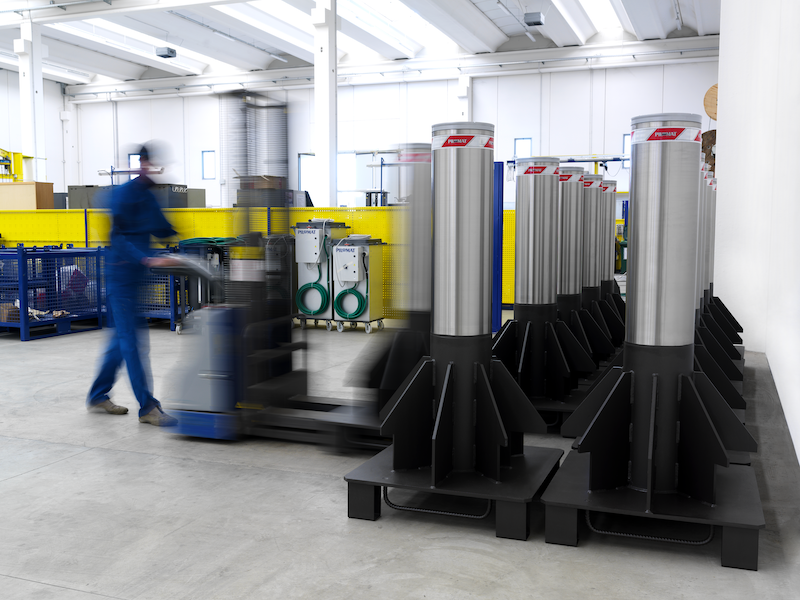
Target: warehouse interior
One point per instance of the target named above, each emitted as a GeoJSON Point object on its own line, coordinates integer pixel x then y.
{"type": "Point", "coordinates": [98, 505]}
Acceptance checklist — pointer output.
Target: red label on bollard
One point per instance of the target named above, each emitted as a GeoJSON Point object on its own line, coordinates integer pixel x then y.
{"type": "Point", "coordinates": [490, 143]}
{"type": "Point", "coordinates": [541, 170]}
{"type": "Point", "coordinates": [566, 177]}
{"type": "Point", "coordinates": [457, 141]}
{"type": "Point", "coordinates": [665, 133]}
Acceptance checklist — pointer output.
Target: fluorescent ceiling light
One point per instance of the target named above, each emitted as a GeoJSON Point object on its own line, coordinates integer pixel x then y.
{"type": "Point", "coordinates": [601, 13]}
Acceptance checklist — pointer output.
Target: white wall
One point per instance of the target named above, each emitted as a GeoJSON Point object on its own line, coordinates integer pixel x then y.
{"type": "Point", "coordinates": [10, 126]}
{"type": "Point", "coordinates": [586, 112]}
{"type": "Point", "coordinates": [108, 132]}
{"type": "Point", "coordinates": [757, 269]}
{"type": "Point", "coordinates": [576, 112]}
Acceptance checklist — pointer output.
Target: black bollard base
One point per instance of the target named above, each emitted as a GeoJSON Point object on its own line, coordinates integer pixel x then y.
{"type": "Point", "coordinates": [738, 511]}
{"type": "Point", "coordinates": [709, 490]}
{"type": "Point", "coordinates": [567, 303]}
{"type": "Point", "coordinates": [529, 473]}
{"type": "Point", "coordinates": [458, 423]}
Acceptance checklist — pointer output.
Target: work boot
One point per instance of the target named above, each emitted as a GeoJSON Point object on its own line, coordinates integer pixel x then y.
{"type": "Point", "coordinates": [158, 418]}
{"type": "Point", "coordinates": [109, 407]}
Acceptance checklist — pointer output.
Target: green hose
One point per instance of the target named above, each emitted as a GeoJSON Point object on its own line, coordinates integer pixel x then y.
{"type": "Point", "coordinates": [338, 303]}
{"type": "Point", "coordinates": [323, 294]}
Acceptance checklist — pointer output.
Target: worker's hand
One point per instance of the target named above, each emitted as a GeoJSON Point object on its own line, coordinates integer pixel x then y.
{"type": "Point", "coordinates": [161, 261]}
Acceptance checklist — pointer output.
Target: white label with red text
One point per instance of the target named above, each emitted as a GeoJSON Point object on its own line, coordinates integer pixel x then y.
{"type": "Point", "coordinates": [462, 141]}
{"type": "Point", "coordinates": [666, 134]}
{"type": "Point", "coordinates": [540, 170]}
{"type": "Point", "coordinates": [570, 178]}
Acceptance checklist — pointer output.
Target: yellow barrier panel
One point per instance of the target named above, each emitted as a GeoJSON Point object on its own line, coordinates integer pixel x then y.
{"type": "Point", "coordinates": [509, 237]}
{"type": "Point", "coordinates": [42, 227]}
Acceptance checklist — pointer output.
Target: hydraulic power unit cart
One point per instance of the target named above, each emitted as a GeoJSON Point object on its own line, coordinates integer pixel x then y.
{"type": "Point", "coordinates": [358, 282]}
{"type": "Point", "coordinates": [313, 242]}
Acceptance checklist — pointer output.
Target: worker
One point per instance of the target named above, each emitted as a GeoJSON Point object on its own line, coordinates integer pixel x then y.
{"type": "Point", "coordinates": [136, 217]}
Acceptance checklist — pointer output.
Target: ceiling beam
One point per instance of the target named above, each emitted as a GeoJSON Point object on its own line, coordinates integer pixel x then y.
{"type": "Point", "coordinates": [85, 36]}
{"type": "Point", "coordinates": [82, 59]}
{"type": "Point", "coordinates": [568, 24]}
{"type": "Point", "coordinates": [622, 15]}
{"type": "Point", "coordinates": [462, 22]}
{"type": "Point", "coordinates": [50, 71]}
{"type": "Point", "coordinates": [271, 31]}
{"type": "Point", "coordinates": [96, 10]}
{"type": "Point", "coordinates": [634, 54]}
{"type": "Point", "coordinates": [650, 19]}
{"type": "Point", "coordinates": [182, 33]}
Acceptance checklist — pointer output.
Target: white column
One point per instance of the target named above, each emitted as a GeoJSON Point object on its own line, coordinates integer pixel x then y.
{"type": "Point", "coordinates": [325, 101]}
{"type": "Point", "coordinates": [30, 51]}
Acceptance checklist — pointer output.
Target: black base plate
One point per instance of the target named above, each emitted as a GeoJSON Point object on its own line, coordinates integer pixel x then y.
{"type": "Point", "coordinates": [528, 475]}
{"type": "Point", "coordinates": [738, 509]}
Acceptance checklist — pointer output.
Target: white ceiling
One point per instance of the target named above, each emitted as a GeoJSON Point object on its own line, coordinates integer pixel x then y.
{"type": "Point", "coordinates": [102, 41]}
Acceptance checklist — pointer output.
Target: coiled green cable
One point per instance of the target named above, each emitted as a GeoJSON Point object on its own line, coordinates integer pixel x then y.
{"type": "Point", "coordinates": [323, 294]}
{"type": "Point", "coordinates": [338, 304]}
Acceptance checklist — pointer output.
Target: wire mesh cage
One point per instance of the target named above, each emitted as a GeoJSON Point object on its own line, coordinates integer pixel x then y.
{"type": "Point", "coordinates": [44, 291]}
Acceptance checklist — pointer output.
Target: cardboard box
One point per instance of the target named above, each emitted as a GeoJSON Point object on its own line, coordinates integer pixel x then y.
{"type": "Point", "coordinates": [9, 313]}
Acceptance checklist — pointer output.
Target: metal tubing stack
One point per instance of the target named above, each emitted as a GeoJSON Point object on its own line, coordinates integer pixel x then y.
{"type": "Point", "coordinates": [596, 232]}
{"type": "Point", "coordinates": [543, 353]}
{"type": "Point", "coordinates": [458, 419]}
{"type": "Point", "coordinates": [657, 448]}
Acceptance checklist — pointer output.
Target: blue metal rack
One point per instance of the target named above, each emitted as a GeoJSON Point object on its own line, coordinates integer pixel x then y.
{"type": "Point", "coordinates": [46, 288]}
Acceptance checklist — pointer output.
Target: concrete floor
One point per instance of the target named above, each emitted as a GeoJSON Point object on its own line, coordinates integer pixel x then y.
{"type": "Point", "coordinates": [95, 505]}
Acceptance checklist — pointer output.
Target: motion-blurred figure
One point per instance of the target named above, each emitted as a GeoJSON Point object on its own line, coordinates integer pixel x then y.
{"type": "Point", "coordinates": [135, 217]}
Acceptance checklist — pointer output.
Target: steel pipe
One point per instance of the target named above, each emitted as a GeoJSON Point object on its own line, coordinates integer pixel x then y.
{"type": "Point", "coordinates": [571, 256]}
{"type": "Point", "coordinates": [536, 242]}
{"type": "Point", "coordinates": [462, 161]}
{"type": "Point", "coordinates": [414, 185]}
{"type": "Point", "coordinates": [607, 235]}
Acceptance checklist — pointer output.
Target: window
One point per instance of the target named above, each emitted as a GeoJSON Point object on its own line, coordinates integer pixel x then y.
{"type": "Point", "coordinates": [134, 163]}
{"type": "Point", "coordinates": [523, 147]}
{"type": "Point", "coordinates": [626, 150]}
{"type": "Point", "coordinates": [209, 164]}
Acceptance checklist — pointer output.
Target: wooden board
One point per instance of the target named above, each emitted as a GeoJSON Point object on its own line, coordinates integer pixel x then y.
{"type": "Point", "coordinates": [710, 102]}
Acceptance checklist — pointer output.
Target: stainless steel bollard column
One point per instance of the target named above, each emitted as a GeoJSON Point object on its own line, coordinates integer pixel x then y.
{"type": "Point", "coordinates": [571, 241]}
{"type": "Point", "coordinates": [414, 182]}
{"type": "Point", "coordinates": [660, 324]}
{"type": "Point", "coordinates": [461, 324]}
{"type": "Point", "coordinates": [592, 244]}
{"type": "Point", "coordinates": [608, 237]}
{"type": "Point", "coordinates": [536, 255]}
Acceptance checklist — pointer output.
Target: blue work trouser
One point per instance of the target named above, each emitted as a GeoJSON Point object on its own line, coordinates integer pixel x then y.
{"type": "Point", "coordinates": [129, 342]}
